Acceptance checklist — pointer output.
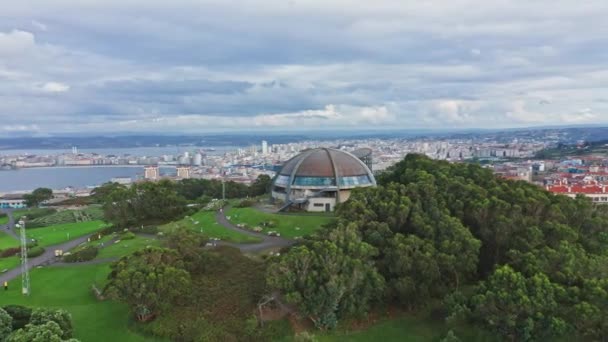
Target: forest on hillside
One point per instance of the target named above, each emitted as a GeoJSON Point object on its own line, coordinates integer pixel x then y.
{"type": "Point", "coordinates": [503, 256]}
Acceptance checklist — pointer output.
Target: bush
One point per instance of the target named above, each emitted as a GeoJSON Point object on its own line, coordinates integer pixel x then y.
{"type": "Point", "coordinates": [31, 244]}
{"type": "Point", "coordinates": [6, 324]}
{"type": "Point", "coordinates": [246, 203]}
{"type": "Point", "coordinates": [35, 251]}
{"type": "Point", "coordinates": [149, 230]}
{"type": "Point", "coordinates": [127, 236]}
{"type": "Point", "coordinates": [63, 318]}
{"type": "Point", "coordinates": [20, 314]}
{"type": "Point", "coordinates": [9, 252]}
{"type": "Point", "coordinates": [85, 254]}
{"type": "Point", "coordinates": [33, 214]}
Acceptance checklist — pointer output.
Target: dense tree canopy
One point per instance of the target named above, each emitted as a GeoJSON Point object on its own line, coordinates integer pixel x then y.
{"type": "Point", "coordinates": [142, 203]}
{"type": "Point", "coordinates": [149, 281]}
{"type": "Point", "coordinates": [507, 256]}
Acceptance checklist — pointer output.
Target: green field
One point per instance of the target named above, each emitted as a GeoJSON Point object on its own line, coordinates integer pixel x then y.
{"type": "Point", "coordinates": [288, 225]}
{"type": "Point", "coordinates": [126, 247]}
{"type": "Point", "coordinates": [7, 241]}
{"type": "Point", "coordinates": [9, 263]}
{"type": "Point", "coordinates": [69, 287]}
{"type": "Point", "coordinates": [210, 228]}
{"type": "Point", "coordinates": [3, 219]}
{"type": "Point", "coordinates": [53, 235]}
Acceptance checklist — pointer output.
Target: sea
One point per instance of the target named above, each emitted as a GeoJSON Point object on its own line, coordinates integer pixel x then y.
{"type": "Point", "coordinates": [88, 176]}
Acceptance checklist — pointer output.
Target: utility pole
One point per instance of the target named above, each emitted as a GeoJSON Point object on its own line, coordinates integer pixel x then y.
{"type": "Point", "coordinates": [25, 273]}
{"type": "Point", "coordinates": [223, 189]}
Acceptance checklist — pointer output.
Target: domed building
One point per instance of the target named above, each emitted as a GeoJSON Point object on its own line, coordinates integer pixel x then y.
{"type": "Point", "coordinates": [318, 179]}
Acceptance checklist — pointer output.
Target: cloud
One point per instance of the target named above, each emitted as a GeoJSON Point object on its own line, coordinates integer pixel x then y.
{"type": "Point", "coordinates": [143, 65]}
{"type": "Point", "coordinates": [55, 87]}
{"type": "Point", "coordinates": [15, 42]}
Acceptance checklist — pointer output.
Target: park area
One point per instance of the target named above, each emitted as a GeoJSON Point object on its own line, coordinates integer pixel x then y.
{"type": "Point", "coordinates": [205, 223]}
{"type": "Point", "coordinates": [287, 225]}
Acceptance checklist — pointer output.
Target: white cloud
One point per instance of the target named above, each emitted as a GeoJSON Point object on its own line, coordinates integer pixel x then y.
{"type": "Point", "coordinates": [55, 87]}
{"type": "Point", "coordinates": [15, 42]}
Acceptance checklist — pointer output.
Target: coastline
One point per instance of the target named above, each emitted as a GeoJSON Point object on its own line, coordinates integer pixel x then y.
{"type": "Point", "coordinates": [87, 167]}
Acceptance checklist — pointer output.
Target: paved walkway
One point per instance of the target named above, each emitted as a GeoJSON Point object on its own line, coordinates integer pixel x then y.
{"type": "Point", "coordinates": [47, 257]}
{"type": "Point", "coordinates": [9, 228]}
{"type": "Point", "coordinates": [268, 242]}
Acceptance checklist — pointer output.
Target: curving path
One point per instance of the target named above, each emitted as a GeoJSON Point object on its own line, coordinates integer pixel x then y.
{"type": "Point", "coordinates": [267, 241]}
{"type": "Point", "coordinates": [9, 228]}
{"type": "Point", "coordinates": [47, 257]}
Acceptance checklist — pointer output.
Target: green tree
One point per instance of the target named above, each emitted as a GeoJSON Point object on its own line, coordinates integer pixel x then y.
{"type": "Point", "coordinates": [329, 279]}
{"type": "Point", "coordinates": [260, 186]}
{"type": "Point", "coordinates": [47, 332]}
{"type": "Point", "coordinates": [189, 246]}
{"type": "Point", "coordinates": [6, 324]}
{"type": "Point", "coordinates": [63, 318]}
{"type": "Point", "coordinates": [518, 308]}
{"type": "Point", "coordinates": [149, 281]}
{"type": "Point", "coordinates": [38, 196]}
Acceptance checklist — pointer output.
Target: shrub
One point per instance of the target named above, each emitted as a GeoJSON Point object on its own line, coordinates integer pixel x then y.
{"type": "Point", "coordinates": [6, 324]}
{"type": "Point", "coordinates": [109, 230]}
{"type": "Point", "coordinates": [127, 236]}
{"type": "Point", "coordinates": [85, 254]}
{"type": "Point", "coordinates": [33, 214]}
{"type": "Point", "coordinates": [63, 318]}
{"type": "Point", "coordinates": [9, 252]}
{"type": "Point", "coordinates": [246, 203]}
{"type": "Point", "coordinates": [35, 251]}
{"type": "Point", "coordinates": [20, 314]}
{"type": "Point", "coordinates": [31, 244]}
{"type": "Point", "coordinates": [149, 230]}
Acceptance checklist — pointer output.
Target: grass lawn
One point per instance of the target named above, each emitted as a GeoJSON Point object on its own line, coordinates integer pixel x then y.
{"type": "Point", "coordinates": [209, 227]}
{"type": "Point", "coordinates": [3, 220]}
{"type": "Point", "coordinates": [286, 224]}
{"type": "Point", "coordinates": [125, 247]}
{"type": "Point", "coordinates": [9, 263]}
{"type": "Point", "coordinates": [53, 235]}
{"type": "Point", "coordinates": [7, 241]}
{"type": "Point", "coordinates": [68, 287]}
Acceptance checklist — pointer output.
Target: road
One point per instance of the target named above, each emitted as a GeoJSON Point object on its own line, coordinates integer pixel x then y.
{"type": "Point", "coordinates": [268, 242]}
{"type": "Point", "coordinates": [45, 258]}
{"type": "Point", "coordinates": [9, 228]}
{"type": "Point", "coordinates": [48, 257]}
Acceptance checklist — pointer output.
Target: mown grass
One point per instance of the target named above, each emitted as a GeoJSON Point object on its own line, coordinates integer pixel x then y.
{"type": "Point", "coordinates": [125, 247]}
{"type": "Point", "coordinates": [9, 263]}
{"type": "Point", "coordinates": [7, 241]}
{"type": "Point", "coordinates": [3, 219]}
{"type": "Point", "coordinates": [204, 222]}
{"type": "Point", "coordinates": [56, 234]}
{"type": "Point", "coordinates": [289, 226]}
{"type": "Point", "coordinates": [69, 287]}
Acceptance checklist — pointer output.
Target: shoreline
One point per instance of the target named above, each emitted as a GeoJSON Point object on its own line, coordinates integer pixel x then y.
{"type": "Point", "coordinates": [88, 167]}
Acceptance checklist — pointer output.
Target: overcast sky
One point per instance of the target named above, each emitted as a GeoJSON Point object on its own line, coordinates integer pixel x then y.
{"type": "Point", "coordinates": [109, 66]}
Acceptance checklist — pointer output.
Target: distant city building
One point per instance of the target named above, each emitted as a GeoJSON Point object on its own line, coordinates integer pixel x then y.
{"type": "Point", "coordinates": [183, 172]}
{"type": "Point", "coordinates": [318, 179]}
{"type": "Point", "coordinates": [197, 160]}
{"type": "Point", "coordinates": [264, 147]}
{"type": "Point", "coordinates": [151, 172]}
